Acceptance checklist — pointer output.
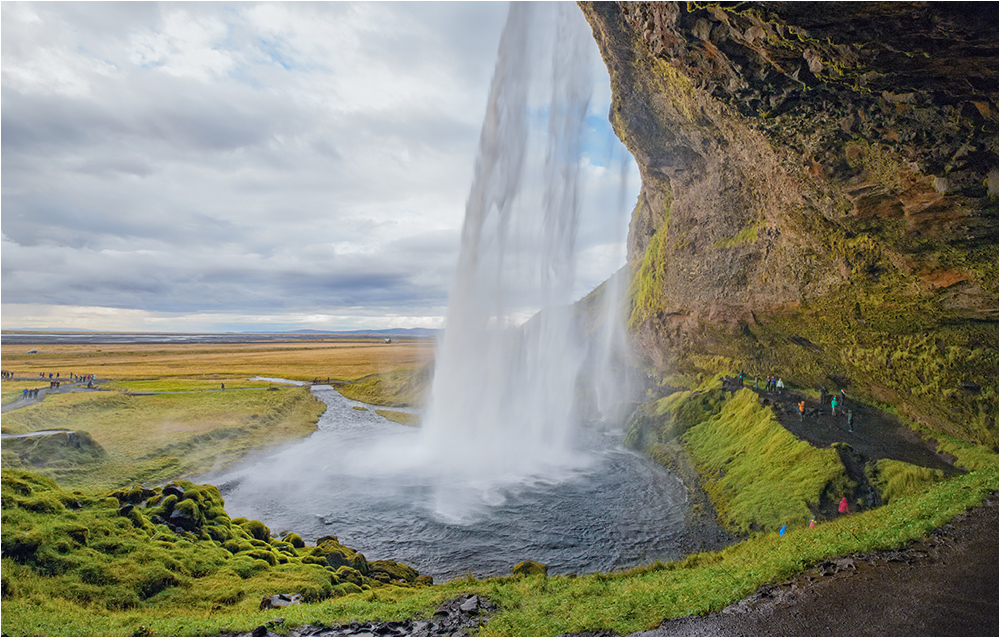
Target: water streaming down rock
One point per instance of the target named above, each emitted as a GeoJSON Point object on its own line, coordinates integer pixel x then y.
{"type": "Point", "coordinates": [502, 400]}
{"type": "Point", "coordinates": [498, 472]}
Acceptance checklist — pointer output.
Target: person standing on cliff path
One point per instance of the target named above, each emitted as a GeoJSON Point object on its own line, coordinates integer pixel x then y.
{"type": "Point", "coordinates": [843, 508]}
{"type": "Point", "coordinates": [802, 410]}
{"type": "Point", "coordinates": [843, 398]}
{"type": "Point", "coordinates": [823, 395]}
{"type": "Point", "coordinates": [780, 385]}
{"type": "Point", "coordinates": [833, 406]}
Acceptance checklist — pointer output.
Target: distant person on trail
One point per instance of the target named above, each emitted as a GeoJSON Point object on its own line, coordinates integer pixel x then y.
{"type": "Point", "coordinates": [850, 421]}
{"type": "Point", "coordinates": [780, 385]}
{"type": "Point", "coordinates": [844, 509]}
{"type": "Point", "coordinates": [812, 523]}
{"type": "Point", "coordinates": [843, 398]}
{"type": "Point", "coordinates": [823, 395]}
{"type": "Point", "coordinates": [223, 386]}
{"type": "Point", "coordinates": [741, 378]}
{"type": "Point", "coordinates": [833, 406]}
{"type": "Point", "coordinates": [756, 379]}
{"type": "Point", "coordinates": [802, 409]}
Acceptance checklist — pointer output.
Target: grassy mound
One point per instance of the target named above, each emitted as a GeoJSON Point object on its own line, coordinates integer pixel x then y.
{"type": "Point", "coordinates": [759, 475]}
{"type": "Point", "coordinates": [171, 547]}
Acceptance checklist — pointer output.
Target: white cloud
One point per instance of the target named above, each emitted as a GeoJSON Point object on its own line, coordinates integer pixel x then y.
{"type": "Point", "coordinates": [213, 165]}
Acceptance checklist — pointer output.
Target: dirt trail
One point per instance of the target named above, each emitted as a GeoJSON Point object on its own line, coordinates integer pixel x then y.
{"type": "Point", "coordinates": [875, 435]}
{"type": "Point", "coordinates": [943, 585]}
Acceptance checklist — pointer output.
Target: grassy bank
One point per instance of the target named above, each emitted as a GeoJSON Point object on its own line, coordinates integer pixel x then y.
{"type": "Point", "coordinates": [216, 590]}
{"type": "Point", "coordinates": [163, 437]}
{"type": "Point", "coordinates": [758, 474]}
{"type": "Point", "coordinates": [160, 437]}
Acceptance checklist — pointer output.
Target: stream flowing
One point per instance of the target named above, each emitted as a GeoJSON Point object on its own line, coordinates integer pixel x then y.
{"type": "Point", "coordinates": [355, 478]}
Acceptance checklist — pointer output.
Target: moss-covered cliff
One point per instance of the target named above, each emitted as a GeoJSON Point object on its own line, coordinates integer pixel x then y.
{"type": "Point", "coordinates": [819, 195]}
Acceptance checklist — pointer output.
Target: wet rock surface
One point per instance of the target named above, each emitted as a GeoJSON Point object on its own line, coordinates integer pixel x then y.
{"type": "Point", "coordinates": [455, 617]}
{"type": "Point", "coordinates": [943, 585]}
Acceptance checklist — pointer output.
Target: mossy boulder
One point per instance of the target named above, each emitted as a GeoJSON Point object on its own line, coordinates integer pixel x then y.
{"type": "Point", "coordinates": [294, 540]}
{"type": "Point", "coordinates": [665, 419]}
{"type": "Point", "coordinates": [530, 568]}
{"type": "Point", "coordinates": [345, 574]}
{"type": "Point", "coordinates": [257, 530]}
{"type": "Point", "coordinates": [338, 555]}
{"type": "Point", "coordinates": [389, 571]}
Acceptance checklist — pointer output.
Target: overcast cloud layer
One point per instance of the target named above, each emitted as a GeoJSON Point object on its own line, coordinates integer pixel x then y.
{"type": "Point", "coordinates": [190, 167]}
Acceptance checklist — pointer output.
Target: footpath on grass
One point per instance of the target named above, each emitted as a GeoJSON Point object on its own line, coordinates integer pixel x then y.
{"type": "Point", "coordinates": [872, 435]}
{"type": "Point", "coordinates": [63, 387]}
{"type": "Point", "coordinates": [943, 585]}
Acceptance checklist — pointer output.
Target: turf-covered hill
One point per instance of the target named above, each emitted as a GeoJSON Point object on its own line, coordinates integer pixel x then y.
{"type": "Point", "coordinates": [169, 546]}
{"type": "Point", "coordinates": [763, 467]}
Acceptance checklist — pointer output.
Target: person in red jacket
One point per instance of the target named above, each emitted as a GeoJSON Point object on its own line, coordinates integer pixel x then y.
{"type": "Point", "coordinates": [843, 506]}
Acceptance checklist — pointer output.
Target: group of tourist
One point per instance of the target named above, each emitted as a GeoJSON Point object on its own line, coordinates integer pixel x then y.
{"type": "Point", "coordinates": [72, 377]}
{"type": "Point", "coordinates": [775, 384]}
{"type": "Point", "coordinates": [772, 384]}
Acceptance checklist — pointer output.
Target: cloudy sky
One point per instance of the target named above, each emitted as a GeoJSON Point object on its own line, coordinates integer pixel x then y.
{"type": "Point", "coordinates": [217, 167]}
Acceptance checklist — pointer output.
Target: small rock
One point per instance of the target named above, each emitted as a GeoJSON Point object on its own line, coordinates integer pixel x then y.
{"type": "Point", "coordinates": [260, 630]}
{"type": "Point", "coordinates": [702, 29]}
{"type": "Point", "coordinates": [470, 605]}
{"type": "Point", "coordinates": [280, 600]}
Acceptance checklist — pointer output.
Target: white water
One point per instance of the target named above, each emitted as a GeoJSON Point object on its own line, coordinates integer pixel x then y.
{"type": "Point", "coordinates": [503, 409]}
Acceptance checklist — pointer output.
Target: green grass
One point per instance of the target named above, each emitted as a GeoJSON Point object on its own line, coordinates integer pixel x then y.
{"type": "Point", "coordinates": [187, 385]}
{"type": "Point", "coordinates": [163, 437]}
{"type": "Point", "coordinates": [403, 418]}
{"type": "Point", "coordinates": [99, 555]}
{"type": "Point", "coordinates": [759, 475]}
{"type": "Point", "coordinates": [896, 479]}
{"type": "Point", "coordinates": [407, 387]}
{"type": "Point", "coordinates": [746, 236]}
{"type": "Point", "coordinates": [623, 602]}
{"type": "Point", "coordinates": [646, 288]}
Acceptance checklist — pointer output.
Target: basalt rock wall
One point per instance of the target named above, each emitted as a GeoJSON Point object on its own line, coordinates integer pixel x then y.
{"type": "Point", "coordinates": [819, 195]}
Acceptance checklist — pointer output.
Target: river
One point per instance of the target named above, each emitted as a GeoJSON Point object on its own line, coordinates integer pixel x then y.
{"type": "Point", "coordinates": [361, 478]}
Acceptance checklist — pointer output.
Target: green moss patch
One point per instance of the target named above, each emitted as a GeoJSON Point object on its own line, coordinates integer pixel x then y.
{"type": "Point", "coordinates": [758, 474]}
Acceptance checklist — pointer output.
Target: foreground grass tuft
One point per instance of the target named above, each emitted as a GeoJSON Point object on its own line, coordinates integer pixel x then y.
{"type": "Point", "coordinates": [179, 586]}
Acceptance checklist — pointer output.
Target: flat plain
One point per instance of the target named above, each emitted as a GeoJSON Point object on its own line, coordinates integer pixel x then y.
{"type": "Point", "coordinates": [161, 412]}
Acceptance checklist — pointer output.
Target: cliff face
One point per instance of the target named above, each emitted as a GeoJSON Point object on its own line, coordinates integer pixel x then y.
{"type": "Point", "coordinates": [819, 195]}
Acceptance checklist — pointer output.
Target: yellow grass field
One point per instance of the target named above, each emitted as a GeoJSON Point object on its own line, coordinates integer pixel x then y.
{"type": "Point", "coordinates": [196, 426]}
{"type": "Point", "coordinates": [339, 359]}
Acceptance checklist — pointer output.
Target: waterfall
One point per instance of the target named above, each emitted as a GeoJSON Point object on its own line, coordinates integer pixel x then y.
{"type": "Point", "coordinates": [502, 402]}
